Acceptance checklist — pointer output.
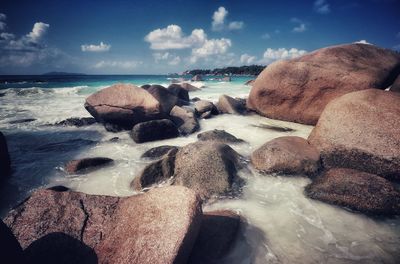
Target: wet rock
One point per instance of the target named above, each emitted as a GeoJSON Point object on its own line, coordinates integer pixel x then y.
{"type": "Point", "coordinates": [136, 229]}
{"type": "Point", "coordinates": [360, 130]}
{"type": "Point", "coordinates": [113, 127]}
{"type": "Point", "coordinates": [77, 121]}
{"type": "Point", "coordinates": [218, 135]}
{"type": "Point", "coordinates": [156, 172]}
{"type": "Point", "coordinates": [123, 105]}
{"type": "Point", "coordinates": [114, 139]}
{"type": "Point", "coordinates": [179, 91]}
{"type": "Point", "coordinates": [356, 190]}
{"type": "Point", "coordinates": [166, 98]}
{"type": "Point", "coordinates": [185, 120]}
{"type": "Point", "coordinates": [218, 232]}
{"type": "Point", "coordinates": [287, 155]}
{"type": "Point", "coordinates": [86, 165]}
{"type": "Point", "coordinates": [204, 106]}
{"type": "Point", "coordinates": [158, 152]}
{"type": "Point", "coordinates": [195, 99]}
{"type": "Point", "coordinates": [11, 251]}
{"type": "Point", "coordinates": [20, 121]}
{"type": "Point", "coordinates": [154, 130]}
{"type": "Point", "coordinates": [298, 90]}
{"type": "Point", "coordinates": [229, 105]}
{"type": "Point", "coordinates": [5, 161]}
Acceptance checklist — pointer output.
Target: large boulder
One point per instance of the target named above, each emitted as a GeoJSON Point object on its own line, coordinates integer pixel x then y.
{"type": "Point", "coordinates": [179, 91]}
{"type": "Point", "coordinates": [360, 130]}
{"type": "Point", "coordinates": [218, 135]}
{"type": "Point", "coordinates": [356, 190]}
{"type": "Point", "coordinates": [159, 226]}
{"type": "Point", "coordinates": [229, 105]}
{"type": "Point", "coordinates": [154, 130]}
{"type": "Point", "coordinates": [299, 89]}
{"type": "Point", "coordinates": [185, 120]}
{"type": "Point", "coordinates": [288, 155]}
{"type": "Point", "coordinates": [166, 98]}
{"type": "Point", "coordinates": [5, 162]}
{"type": "Point", "coordinates": [124, 105]}
{"type": "Point", "coordinates": [87, 164]}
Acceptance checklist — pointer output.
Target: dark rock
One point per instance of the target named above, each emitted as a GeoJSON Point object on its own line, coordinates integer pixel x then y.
{"type": "Point", "coordinates": [113, 127]}
{"type": "Point", "coordinates": [185, 120]}
{"type": "Point", "coordinates": [166, 98]}
{"type": "Point", "coordinates": [154, 130]}
{"type": "Point", "coordinates": [157, 152]}
{"type": "Point", "coordinates": [288, 155]}
{"type": "Point", "coordinates": [86, 165]}
{"type": "Point", "coordinates": [195, 99]}
{"type": "Point", "coordinates": [179, 91]}
{"type": "Point", "coordinates": [114, 139]}
{"type": "Point", "coordinates": [204, 106]}
{"type": "Point", "coordinates": [275, 128]}
{"type": "Point", "coordinates": [5, 161]}
{"type": "Point", "coordinates": [360, 130]}
{"type": "Point", "coordinates": [298, 89]}
{"type": "Point", "coordinates": [218, 135]}
{"type": "Point", "coordinates": [396, 85]}
{"type": "Point", "coordinates": [2, 94]}
{"type": "Point", "coordinates": [77, 121]}
{"type": "Point", "coordinates": [218, 232]}
{"type": "Point", "coordinates": [11, 251]}
{"type": "Point", "coordinates": [229, 105]}
{"type": "Point", "coordinates": [146, 86]}
{"type": "Point", "coordinates": [58, 188]}
{"type": "Point", "coordinates": [356, 190]}
{"type": "Point", "coordinates": [20, 121]}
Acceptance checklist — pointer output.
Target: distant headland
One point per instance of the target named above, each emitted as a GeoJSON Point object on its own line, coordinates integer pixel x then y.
{"type": "Point", "coordinates": [62, 73]}
{"type": "Point", "coordinates": [242, 70]}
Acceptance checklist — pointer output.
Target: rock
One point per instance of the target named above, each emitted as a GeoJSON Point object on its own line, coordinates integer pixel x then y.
{"type": "Point", "coordinates": [204, 106]}
{"type": "Point", "coordinates": [179, 91]}
{"type": "Point", "coordinates": [288, 155]}
{"type": "Point", "coordinates": [136, 229]}
{"type": "Point", "coordinates": [166, 98]}
{"type": "Point", "coordinates": [209, 168]}
{"type": "Point", "coordinates": [5, 161]}
{"type": "Point", "coordinates": [154, 130]}
{"type": "Point", "coordinates": [188, 87]}
{"type": "Point", "coordinates": [229, 105]}
{"type": "Point", "coordinates": [195, 99]}
{"type": "Point", "coordinates": [185, 120]}
{"type": "Point", "coordinates": [77, 121]}
{"type": "Point", "coordinates": [20, 121]}
{"type": "Point", "coordinates": [218, 135]}
{"type": "Point", "coordinates": [11, 251]}
{"type": "Point", "coordinates": [113, 127]}
{"type": "Point", "coordinates": [197, 78]}
{"type": "Point", "coordinates": [114, 139]}
{"type": "Point", "coordinates": [145, 86]}
{"type": "Point", "coordinates": [158, 152]}
{"type": "Point", "coordinates": [298, 90]}
{"type": "Point", "coordinates": [86, 165]}
{"type": "Point", "coordinates": [206, 115]}
{"type": "Point", "coordinates": [396, 85]}
{"type": "Point", "coordinates": [156, 172]}
{"type": "Point", "coordinates": [123, 105]}
{"type": "Point", "coordinates": [360, 130]}
{"type": "Point", "coordinates": [218, 232]}
{"type": "Point", "coordinates": [356, 190]}
{"type": "Point", "coordinates": [274, 127]}
{"type": "Point", "coordinates": [249, 82]}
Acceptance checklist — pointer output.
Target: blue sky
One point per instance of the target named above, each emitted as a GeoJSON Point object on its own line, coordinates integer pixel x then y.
{"type": "Point", "coordinates": [151, 37]}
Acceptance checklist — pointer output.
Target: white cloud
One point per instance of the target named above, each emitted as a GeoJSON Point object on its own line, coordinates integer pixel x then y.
{"type": "Point", "coordinates": [266, 36]}
{"type": "Point", "coordinates": [247, 59]}
{"type": "Point", "coordinates": [235, 25]}
{"type": "Point", "coordinates": [102, 47]}
{"type": "Point", "coordinates": [170, 58]}
{"type": "Point", "coordinates": [211, 47]}
{"type": "Point", "coordinates": [38, 31]}
{"type": "Point", "coordinates": [6, 36]}
{"type": "Point", "coordinates": [218, 18]}
{"type": "Point", "coordinates": [271, 55]}
{"type": "Point", "coordinates": [322, 7]}
{"type": "Point", "coordinates": [125, 65]}
{"type": "Point", "coordinates": [3, 25]}
{"type": "Point", "coordinates": [175, 61]}
{"type": "Point", "coordinates": [301, 26]}
{"type": "Point", "coordinates": [363, 41]}
{"type": "Point", "coordinates": [172, 37]}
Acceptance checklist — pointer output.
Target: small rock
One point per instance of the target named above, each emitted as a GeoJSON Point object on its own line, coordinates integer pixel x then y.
{"type": "Point", "coordinates": [157, 152]}
{"type": "Point", "coordinates": [87, 164]}
{"type": "Point", "coordinates": [154, 130]}
{"type": "Point", "coordinates": [229, 105]}
{"type": "Point", "coordinates": [76, 121]}
{"type": "Point", "coordinates": [185, 120]}
{"type": "Point", "coordinates": [218, 135]}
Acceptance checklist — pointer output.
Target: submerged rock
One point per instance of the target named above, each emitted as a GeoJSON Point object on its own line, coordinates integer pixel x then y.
{"type": "Point", "coordinates": [154, 130]}
{"type": "Point", "coordinates": [360, 130]}
{"type": "Point", "coordinates": [77, 121]}
{"type": "Point", "coordinates": [5, 161]}
{"type": "Point", "coordinates": [158, 152]}
{"type": "Point", "coordinates": [229, 105]}
{"type": "Point", "coordinates": [298, 90]}
{"type": "Point", "coordinates": [86, 165]}
{"type": "Point", "coordinates": [185, 120]}
{"type": "Point", "coordinates": [136, 229]}
{"type": "Point", "coordinates": [356, 190]}
{"type": "Point", "coordinates": [218, 135]}
{"type": "Point", "coordinates": [288, 155]}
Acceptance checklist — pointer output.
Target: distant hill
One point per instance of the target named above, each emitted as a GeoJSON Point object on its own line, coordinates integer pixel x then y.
{"type": "Point", "coordinates": [62, 73]}
{"type": "Point", "coordinates": [242, 70]}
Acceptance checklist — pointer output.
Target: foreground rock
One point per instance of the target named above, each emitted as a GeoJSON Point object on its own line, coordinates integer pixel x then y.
{"type": "Point", "coordinates": [217, 234]}
{"type": "Point", "coordinates": [179, 91]}
{"type": "Point", "coordinates": [360, 130]}
{"type": "Point", "coordinates": [77, 121]}
{"type": "Point", "coordinates": [229, 105]}
{"type": "Point", "coordinates": [86, 165]}
{"type": "Point", "coordinates": [11, 251]}
{"type": "Point", "coordinates": [299, 89]}
{"type": "Point", "coordinates": [204, 108]}
{"type": "Point", "coordinates": [157, 152]}
{"type": "Point", "coordinates": [154, 130]}
{"type": "Point", "coordinates": [137, 229]}
{"type": "Point", "coordinates": [356, 190]}
{"type": "Point", "coordinates": [287, 155]}
{"type": "Point", "coordinates": [166, 98]}
{"type": "Point", "coordinates": [220, 136]}
{"type": "Point", "coordinates": [5, 162]}
{"type": "Point", "coordinates": [185, 120]}
{"type": "Point", "coordinates": [124, 105]}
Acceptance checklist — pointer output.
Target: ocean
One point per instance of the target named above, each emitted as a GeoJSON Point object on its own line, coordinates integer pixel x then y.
{"type": "Point", "coordinates": [282, 225]}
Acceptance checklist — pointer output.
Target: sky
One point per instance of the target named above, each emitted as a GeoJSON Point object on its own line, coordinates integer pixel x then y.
{"type": "Point", "coordinates": [159, 37]}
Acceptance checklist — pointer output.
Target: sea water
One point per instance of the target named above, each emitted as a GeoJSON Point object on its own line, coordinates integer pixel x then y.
{"type": "Point", "coordinates": [281, 224]}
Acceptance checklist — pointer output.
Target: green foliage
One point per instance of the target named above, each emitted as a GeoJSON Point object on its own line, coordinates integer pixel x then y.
{"type": "Point", "coordinates": [242, 70]}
